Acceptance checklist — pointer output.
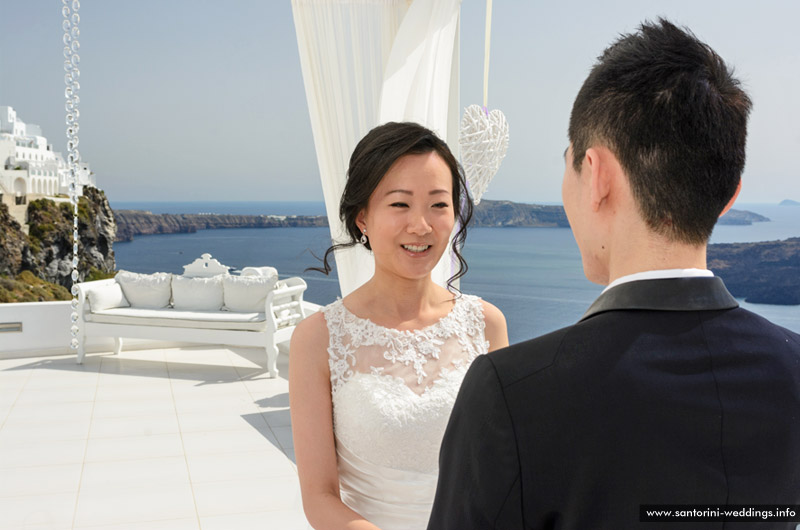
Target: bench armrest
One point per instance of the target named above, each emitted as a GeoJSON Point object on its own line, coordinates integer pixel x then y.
{"type": "Point", "coordinates": [284, 304]}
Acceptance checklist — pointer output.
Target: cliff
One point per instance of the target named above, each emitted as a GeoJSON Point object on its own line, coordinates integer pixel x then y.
{"type": "Point", "coordinates": [131, 223]}
{"type": "Point", "coordinates": [33, 265]}
{"type": "Point", "coordinates": [51, 237]}
{"type": "Point", "coordinates": [762, 273]}
{"type": "Point", "coordinates": [15, 252]}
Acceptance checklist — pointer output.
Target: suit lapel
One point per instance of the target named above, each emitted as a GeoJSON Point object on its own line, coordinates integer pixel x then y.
{"type": "Point", "coordinates": [673, 294]}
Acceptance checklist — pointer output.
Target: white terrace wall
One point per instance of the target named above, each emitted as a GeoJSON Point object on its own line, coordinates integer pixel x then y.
{"type": "Point", "coordinates": [45, 331]}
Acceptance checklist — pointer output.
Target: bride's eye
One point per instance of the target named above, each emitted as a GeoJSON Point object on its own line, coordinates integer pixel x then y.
{"type": "Point", "coordinates": [441, 205]}
{"type": "Point", "coordinates": [399, 205]}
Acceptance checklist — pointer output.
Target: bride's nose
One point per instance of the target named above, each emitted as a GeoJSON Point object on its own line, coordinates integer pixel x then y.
{"type": "Point", "coordinates": [418, 224]}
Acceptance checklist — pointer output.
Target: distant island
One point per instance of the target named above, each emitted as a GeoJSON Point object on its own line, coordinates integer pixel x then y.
{"type": "Point", "coordinates": [741, 217]}
{"type": "Point", "coordinates": [132, 223]}
{"type": "Point", "coordinates": [506, 213]}
{"type": "Point", "coordinates": [788, 202]}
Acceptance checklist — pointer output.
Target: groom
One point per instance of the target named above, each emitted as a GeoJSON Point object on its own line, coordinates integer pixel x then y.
{"type": "Point", "coordinates": [665, 392]}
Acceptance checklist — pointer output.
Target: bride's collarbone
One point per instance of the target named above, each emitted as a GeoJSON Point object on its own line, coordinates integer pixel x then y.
{"type": "Point", "coordinates": [404, 306]}
{"type": "Point", "coordinates": [403, 317]}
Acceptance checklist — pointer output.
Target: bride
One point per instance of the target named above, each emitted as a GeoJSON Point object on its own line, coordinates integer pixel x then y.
{"type": "Point", "coordinates": [373, 377]}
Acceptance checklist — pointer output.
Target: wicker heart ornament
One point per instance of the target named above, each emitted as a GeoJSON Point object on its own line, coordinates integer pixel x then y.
{"type": "Point", "coordinates": [483, 139]}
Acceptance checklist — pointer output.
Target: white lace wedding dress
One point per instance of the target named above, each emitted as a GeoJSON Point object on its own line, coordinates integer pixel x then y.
{"type": "Point", "coordinates": [392, 395]}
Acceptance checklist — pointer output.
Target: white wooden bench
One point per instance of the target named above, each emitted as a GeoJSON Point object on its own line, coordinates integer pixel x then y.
{"type": "Point", "coordinates": [207, 317]}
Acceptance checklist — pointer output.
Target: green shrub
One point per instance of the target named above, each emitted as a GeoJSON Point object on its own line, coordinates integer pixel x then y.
{"type": "Point", "coordinates": [39, 231]}
{"type": "Point", "coordinates": [28, 288]}
{"type": "Point", "coordinates": [97, 274]}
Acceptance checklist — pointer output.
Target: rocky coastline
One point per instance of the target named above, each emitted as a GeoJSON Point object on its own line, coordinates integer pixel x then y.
{"type": "Point", "coordinates": [132, 223]}
{"type": "Point", "coordinates": [767, 272]}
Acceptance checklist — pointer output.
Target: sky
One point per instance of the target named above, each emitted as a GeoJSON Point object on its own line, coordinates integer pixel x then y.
{"type": "Point", "coordinates": [193, 100]}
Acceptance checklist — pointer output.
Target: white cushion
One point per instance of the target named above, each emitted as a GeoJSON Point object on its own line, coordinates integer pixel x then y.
{"type": "Point", "coordinates": [246, 294]}
{"type": "Point", "coordinates": [181, 319]}
{"type": "Point", "coordinates": [145, 290]}
{"type": "Point", "coordinates": [106, 296]}
{"type": "Point", "coordinates": [203, 294]}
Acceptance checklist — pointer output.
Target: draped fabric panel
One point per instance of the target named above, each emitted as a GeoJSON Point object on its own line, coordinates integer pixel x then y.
{"type": "Point", "coordinates": [366, 62]}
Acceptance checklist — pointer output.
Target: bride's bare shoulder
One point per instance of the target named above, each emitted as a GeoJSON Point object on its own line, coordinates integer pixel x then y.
{"type": "Point", "coordinates": [310, 336]}
{"type": "Point", "coordinates": [496, 330]}
{"type": "Point", "coordinates": [312, 324]}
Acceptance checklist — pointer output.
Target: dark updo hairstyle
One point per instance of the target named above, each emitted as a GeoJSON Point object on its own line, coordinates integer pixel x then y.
{"type": "Point", "coordinates": [371, 160]}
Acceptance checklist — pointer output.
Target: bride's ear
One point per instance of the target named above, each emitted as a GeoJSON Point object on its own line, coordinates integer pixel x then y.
{"type": "Point", "coordinates": [361, 220]}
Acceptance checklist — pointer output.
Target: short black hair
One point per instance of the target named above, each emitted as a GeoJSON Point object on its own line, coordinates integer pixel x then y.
{"type": "Point", "coordinates": [369, 163]}
{"type": "Point", "coordinates": [674, 115]}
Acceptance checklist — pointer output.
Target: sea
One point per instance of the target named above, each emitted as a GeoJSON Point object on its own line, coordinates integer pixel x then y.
{"type": "Point", "coordinates": [534, 275]}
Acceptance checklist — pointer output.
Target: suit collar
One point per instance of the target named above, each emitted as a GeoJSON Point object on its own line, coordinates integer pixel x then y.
{"type": "Point", "coordinates": [674, 294]}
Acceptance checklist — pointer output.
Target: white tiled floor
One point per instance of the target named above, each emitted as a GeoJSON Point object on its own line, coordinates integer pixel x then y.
{"type": "Point", "coordinates": [165, 439]}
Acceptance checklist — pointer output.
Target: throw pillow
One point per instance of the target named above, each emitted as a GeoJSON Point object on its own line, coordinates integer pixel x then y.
{"type": "Point", "coordinates": [197, 294]}
{"type": "Point", "coordinates": [247, 294]}
{"type": "Point", "coordinates": [150, 291]}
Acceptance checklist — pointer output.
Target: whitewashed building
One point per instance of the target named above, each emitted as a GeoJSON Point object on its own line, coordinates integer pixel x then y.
{"type": "Point", "coordinates": [29, 168]}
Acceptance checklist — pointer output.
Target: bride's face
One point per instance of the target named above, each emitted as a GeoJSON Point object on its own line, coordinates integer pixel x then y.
{"type": "Point", "coordinates": [410, 216]}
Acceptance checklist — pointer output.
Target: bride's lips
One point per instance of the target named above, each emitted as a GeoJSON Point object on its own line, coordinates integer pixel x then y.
{"type": "Point", "coordinates": [416, 249]}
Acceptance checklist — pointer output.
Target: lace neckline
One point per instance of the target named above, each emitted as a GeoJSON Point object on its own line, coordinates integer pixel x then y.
{"type": "Point", "coordinates": [369, 323]}
{"type": "Point", "coordinates": [359, 345]}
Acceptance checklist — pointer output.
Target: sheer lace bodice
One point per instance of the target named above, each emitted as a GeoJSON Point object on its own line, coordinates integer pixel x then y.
{"type": "Point", "coordinates": [392, 394]}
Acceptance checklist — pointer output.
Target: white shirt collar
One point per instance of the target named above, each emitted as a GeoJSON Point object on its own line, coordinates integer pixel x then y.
{"type": "Point", "coordinates": [660, 275]}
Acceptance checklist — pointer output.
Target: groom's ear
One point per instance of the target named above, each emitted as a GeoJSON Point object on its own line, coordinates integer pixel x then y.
{"type": "Point", "coordinates": [733, 199]}
{"type": "Point", "coordinates": [603, 170]}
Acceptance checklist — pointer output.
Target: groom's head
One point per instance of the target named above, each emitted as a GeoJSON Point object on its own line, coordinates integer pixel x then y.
{"type": "Point", "coordinates": [664, 110]}
{"type": "Point", "coordinates": [668, 110]}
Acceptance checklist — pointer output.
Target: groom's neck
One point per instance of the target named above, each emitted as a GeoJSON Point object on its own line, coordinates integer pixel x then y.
{"type": "Point", "coordinates": [644, 250]}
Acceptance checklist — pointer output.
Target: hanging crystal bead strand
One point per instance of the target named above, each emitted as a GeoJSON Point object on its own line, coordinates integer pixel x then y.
{"type": "Point", "coordinates": [72, 74]}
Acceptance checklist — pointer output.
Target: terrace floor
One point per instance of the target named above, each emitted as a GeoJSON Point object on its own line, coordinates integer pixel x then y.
{"type": "Point", "coordinates": [160, 439]}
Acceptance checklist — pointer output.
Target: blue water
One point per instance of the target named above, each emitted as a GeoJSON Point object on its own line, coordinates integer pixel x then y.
{"type": "Point", "coordinates": [534, 275]}
{"type": "Point", "coordinates": [784, 223]}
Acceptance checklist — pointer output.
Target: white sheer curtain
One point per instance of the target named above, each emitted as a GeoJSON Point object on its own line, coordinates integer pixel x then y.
{"type": "Point", "coordinates": [366, 62]}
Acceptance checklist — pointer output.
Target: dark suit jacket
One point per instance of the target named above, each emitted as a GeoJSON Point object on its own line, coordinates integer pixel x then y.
{"type": "Point", "coordinates": [665, 392]}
